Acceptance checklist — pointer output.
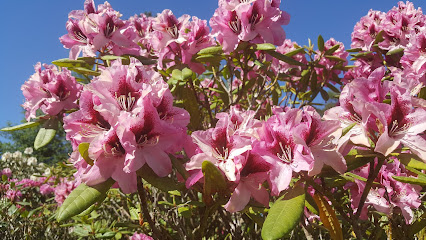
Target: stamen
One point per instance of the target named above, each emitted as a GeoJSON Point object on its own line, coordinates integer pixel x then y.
{"type": "Point", "coordinates": [125, 103]}
{"type": "Point", "coordinates": [286, 153]}
{"type": "Point", "coordinates": [173, 31]}
{"type": "Point", "coordinates": [235, 26]}
{"type": "Point", "coordinates": [397, 130]}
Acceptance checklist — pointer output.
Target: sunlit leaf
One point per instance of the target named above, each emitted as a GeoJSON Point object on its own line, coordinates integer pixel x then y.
{"type": "Point", "coordinates": [20, 126]}
{"type": "Point", "coordinates": [328, 217]}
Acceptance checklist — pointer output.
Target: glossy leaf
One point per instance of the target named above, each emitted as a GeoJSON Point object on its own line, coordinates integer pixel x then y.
{"type": "Point", "coordinates": [44, 136]}
{"type": "Point", "coordinates": [213, 179]}
{"type": "Point", "coordinates": [411, 180]}
{"type": "Point", "coordinates": [83, 148]}
{"type": "Point", "coordinates": [328, 217]}
{"type": "Point", "coordinates": [70, 63]}
{"type": "Point", "coordinates": [20, 126]}
{"type": "Point", "coordinates": [395, 51]}
{"type": "Point", "coordinates": [284, 214]}
{"type": "Point", "coordinates": [332, 49]}
{"type": "Point", "coordinates": [85, 71]}
{"type": "Point", "coordinates": [295, 52]}
{"type": "Point", "coordinates": [285, 58]}
{"type": "Point", "coordinates": [264, 46]}
{"type": "Point", "coordinates": [411, 160]}
{"type": "Point", "coordinates": [211, 50]}
{"type": "Point", "coordinates": [82, 198]}
{"type": "Point", "coordinates": [320, 43]}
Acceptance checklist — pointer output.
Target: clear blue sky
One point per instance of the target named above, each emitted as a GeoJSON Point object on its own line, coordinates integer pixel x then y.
{"type": "Point", "coordinates": [30, 30]}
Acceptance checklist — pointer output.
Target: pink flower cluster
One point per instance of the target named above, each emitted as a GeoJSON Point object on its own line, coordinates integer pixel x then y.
{"type": "Point", "coordinates": [128, 118]}
{"type": "Point", "coordinates": [278, 66]}
{"type": "Point", "coordinates": [387, 126]}
{"type": "Point", "coordinates": [63, 189]}
{"type": "Point", "coordinates": [50, 90]}
{"type": "Point", "coordinates": [332, 67]}
{"type": "Point", "coordinates": [257, 21]}
{"type": "Point", "coordinates": [99, 30]}
{"type": "Point", "coordinates": [250, 152]}
{"type": "Point", "coordinates": [387, 195]}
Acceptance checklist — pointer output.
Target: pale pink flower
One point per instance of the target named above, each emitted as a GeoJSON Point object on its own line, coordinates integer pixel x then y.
{"type": "Point", "coordinates": [50, 90]}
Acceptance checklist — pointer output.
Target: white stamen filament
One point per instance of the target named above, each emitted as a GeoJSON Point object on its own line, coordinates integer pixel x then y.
{"type": "Point", "coordinates": [144, 141]}
{"type": "Point", "coordinates": [126, 103]}
{"type": "Point", "coordinates": [286, 153]}
{"type": "Point", "coordinates": [235, 26]}
{"type": "Point", "coordinates": [396, 130]}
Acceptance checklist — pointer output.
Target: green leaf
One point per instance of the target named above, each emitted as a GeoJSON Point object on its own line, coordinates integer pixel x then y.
{"type": "Point", "coordinates": [328, 217]}
{"type": "Point", "coordinates": [284, 215]}
{"type": "Point", "coordinates": [285, 58]}
{"type": "Point", "coordinates": [334, 58]}
{"type": "Point", "coordinates": [348, 128]}
{"type": "Point", "coordinates": [46, 133]}
{"type": "Point", "coordinates": [324, 95]}
{"type": "Point", "coordinates": [85, 71]}
{"type": "Point", "coordinates": [211, 50]}
{"type": "Point", "coordinates": [165, 184]}
{"type": "Point", "coordinates": [320, 43]}
{"type": "Point", "coordinates": [83, 148]}
{"type": "Point", "coordinates": [69, 63]}
{"type": "Point", "coordinates": [354, 50]}
{"type": "Point", "coordinates": [332, 49]}
{"type": "Point", "coordinates": [411, 160]}
{"type": "Point", "coordinates": [213, 180]}
{"type": "Point", "coordinates": [112, 57]}
{"type": "Point", "coordinates": [82, 198]}
{"type": "Point", "coordinates": [332, 88]}
{"type": "Point", "coordinates": [186, 73]}
{"type": "Point", "coordinates": [20, 126]}
{"type": "Point", "coordinates": [418, 225]}
{"type": "Point", "coordinates": [209, 58]}
{"type": "Point", "coordinates": [144, 60]}
{"type": "Point", "coordinates": [411, 180]}
{"type": "Point", "coordinates": [395, 51]}
{"type": "Point", "coordinates": [294, 52]}
{"type": "Point", "coordinates": [264, 47]}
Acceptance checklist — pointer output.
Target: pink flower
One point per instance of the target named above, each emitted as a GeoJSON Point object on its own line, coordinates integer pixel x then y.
{"type": "Point", "coordinates": [258, 21]}
{"type": "Point", "coordinates": [253, 175]}
{"type": "Point", "coordinates": [140, 236]}
{"type": "Point", "coordinates": [128, 118]}
{"type": "Point", "coordinates": [401, 124]}
{"type": "Point", "coordinates": [46, 189]}
{"type": "Point", "coordinates": [278, 147]}
{"type": "Point", "coordinates": [329, 73]}
{"type": "Point", "coordinates": [63, 189]}
{"type": "Point", "coordinates": [50, 90]}
{"type": "Point", "coordinates": [7, 172]}
{"type": "Point", "coordinates": [13, 195]}
{"type": "Point", "coordinates": [320, 138]}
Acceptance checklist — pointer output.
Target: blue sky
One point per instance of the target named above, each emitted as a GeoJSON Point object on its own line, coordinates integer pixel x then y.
{"type": "Point", "coordinates": [30, 31]}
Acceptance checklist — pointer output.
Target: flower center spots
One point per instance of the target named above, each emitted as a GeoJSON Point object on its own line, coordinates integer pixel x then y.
{"type": "Point", "coordinates": [126, 103]}
{"type": "Point", "coordinates": [396, 129]}
{"type": "Point", "coordinates": [285, 155]}
{"type": "Point", "coordinates": [79, 36]}
{"type": "Point", "coordinates": [115, 149]}
{"type": "Point", "coordinates": [235, 23]}
{"type": "Point", "coordinates": [173, 31]}
{"type": "Point", "coordinates": [255, 18]}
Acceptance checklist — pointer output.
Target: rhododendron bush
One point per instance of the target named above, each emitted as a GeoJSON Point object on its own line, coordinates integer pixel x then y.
{"type": "Point", "coordinates": [219, 129]}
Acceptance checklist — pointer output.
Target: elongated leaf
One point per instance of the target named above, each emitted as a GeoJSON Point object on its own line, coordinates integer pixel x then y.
{"type": "Point", "coordinates": [44, 136]}
{"type": "Point", "coordinates": [186, 73]}
{"type": "Point", "coordinates": [82, 198]}
{"type": "Point", "coordinates": [334, 58]}
{"type": "Point", "coordinates": [209, 58]}
{"type": "Point", "coordinates": [328, 217]}
{"type": "Point", "coordinates": [213, 179]}
{"type": "Point", "coordinates": [354, 50]}
{"type": "Point", "coordinates": [411, 180]}
{"type": "Point", "coordinates": [285, 58]}
{"type": "Point", "coordinates": [411, 160]}
{"type": "Point", "coordinates": [20, 126]}
{"type": "Point", "coordinates": [320, 43]}
{"type": "Point", "coordinates": [264, 46]}
{"type": "Point", "coordinates": [348, 128]}
{"type": "Point", "coordinates": [70, 63]}
{"type": "Point", "coordinates": [418, 225]}
{"type": "Point", "coordinates": [285, 214]}
{"type": "Point", "coordinates": [395, 51]}
{"type": "Point", "coordinates": [332, 49]}
{"type": "Point", "coordinates": [294, 52]}
{"type": "Point", "coordinates": [211, 50]}
{"type": "Point", "coordinates": [86, 71]}
{"type": "Point", "coordinates": [83, 148]}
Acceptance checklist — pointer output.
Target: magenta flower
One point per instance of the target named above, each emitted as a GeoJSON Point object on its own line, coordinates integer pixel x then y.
{"type": "Point", "coordinates": [140, 236]}
{"type": "Point", "coordinates": [63, 189]}
{"type": "Point", "coordinates": [252, 176]}
{"type": "Point", "coordinates": [128, 118]}
{"type": "Point", "coordinates": [278, 147]}
{"type": "Point", "coordinates": [257, 21]}
{"type": "Point", "coordinates": [401, 124]}
{"type": "Point", "coordinates": [167, 29]}
{"type": "Point", "coordinates": [50, 90]}
{"type": "Point", "coordinates": [320, 138]}
{"type": "Point", "coordinates": [46, 189]}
